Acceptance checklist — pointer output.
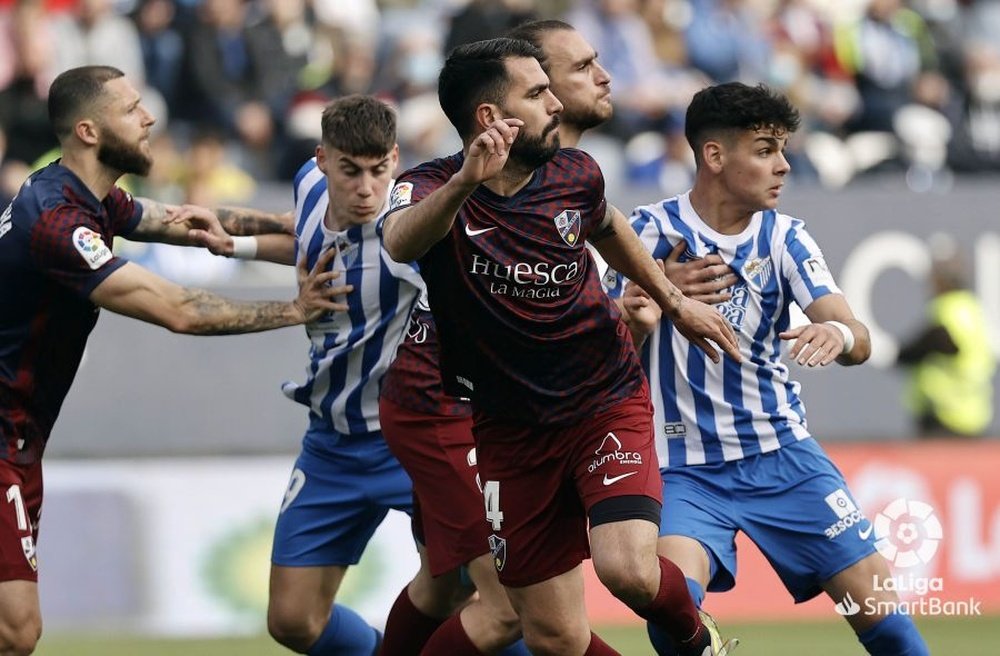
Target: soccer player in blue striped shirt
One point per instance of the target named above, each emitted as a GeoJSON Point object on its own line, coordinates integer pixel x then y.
{"type": "Point", "coordinates": [735, 452]}
{"type": "Point", "coordinates": [345, 479]}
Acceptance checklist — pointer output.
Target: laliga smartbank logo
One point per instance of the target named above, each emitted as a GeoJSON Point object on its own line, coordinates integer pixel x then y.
{"type": "Point", "coordinates": [907, 533]}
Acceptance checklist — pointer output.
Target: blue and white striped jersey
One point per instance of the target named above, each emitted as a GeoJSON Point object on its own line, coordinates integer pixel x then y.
{"type": "Point", "coordinates": [350, 351]}
{"type": "Point", "coordinates": [707, 413]}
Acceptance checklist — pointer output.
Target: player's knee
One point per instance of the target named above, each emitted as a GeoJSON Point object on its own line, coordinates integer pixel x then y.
{"type": "Point", "coordinates": [438, 596]}
{"type": "Point", "coordinates": [506, 624]}
{"type": "Point", "coordinates": [555, 644]}
{"type": "Point", "coordinates": [626, 579]}
{"type": "Point", "coordinates": [19, 638]}
{"type": "Point", "coordinates": [297, 631]}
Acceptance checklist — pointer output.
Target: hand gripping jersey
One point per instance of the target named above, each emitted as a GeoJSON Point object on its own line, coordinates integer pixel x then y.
{"type": "Point", "coordinates": [55, 248]}
{"type": "Point", "coordinates": [526, 330]}
{"type": "Point", "coordinates": [710, 413]}
{"type": "Point", "coordinates": [350, 350]}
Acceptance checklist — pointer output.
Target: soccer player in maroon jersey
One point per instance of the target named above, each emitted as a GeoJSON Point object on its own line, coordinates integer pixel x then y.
{"type": "Point", "coordinates": [57, 270]}
{"type": "Point", "coordinates": [561, 411]}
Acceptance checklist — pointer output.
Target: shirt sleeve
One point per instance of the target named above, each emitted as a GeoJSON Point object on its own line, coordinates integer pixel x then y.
{"type": "Point", "coordinates": [415, 185]}
{"type": "Point", "coordinates": [123, 211]}
{"type": "Point", "coordinates": [68, 247]}
{"type": "Point", "coordinates": [590, 179]}
{"type": "Point", "coordinates": [648, 223]}
{"type": "Point", "coordinates": [804, 267]}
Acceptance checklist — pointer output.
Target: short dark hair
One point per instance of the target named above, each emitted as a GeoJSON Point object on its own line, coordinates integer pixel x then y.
{"type": "Point", "coordinates": [533, 31]}
{"type": "Point", "coordinates": [74, 92]}
{"type": "Point", "coordinates": [736, 107]}
{"type": "Point", "coordinates": [475, 73]}
{"type": "Point", "coordinates": [361, 126]}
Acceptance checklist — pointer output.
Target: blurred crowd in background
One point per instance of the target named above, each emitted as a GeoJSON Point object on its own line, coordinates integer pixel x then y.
{"type": "Point", "coordinates": [238, 85]}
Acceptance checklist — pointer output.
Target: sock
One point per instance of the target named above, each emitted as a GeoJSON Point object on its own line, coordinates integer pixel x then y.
{"type": "Point", "coordinates": [895, 635]}
{"type": "Point", "coordinates": [346, 634]}
{"type": "Point", "coordinates": [662, 643]}
{"type": "Point", "coordinates": [598, 647]}
{"type": "Point", "coordinates": [450, 638]}
{"type": "Point", "coordinates": [407, 629]}
{"type": "Point", "coordinates": [674, 611]}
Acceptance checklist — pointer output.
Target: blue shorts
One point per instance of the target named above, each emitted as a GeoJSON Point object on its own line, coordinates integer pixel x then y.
{"type": "Point", "coordinates": [341, 489]}
{"type": "Point", "coordinates": [793, 503]}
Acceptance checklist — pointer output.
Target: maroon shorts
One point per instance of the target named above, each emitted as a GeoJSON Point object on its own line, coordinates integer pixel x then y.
{"type": "Point", "coordinates": [20, 507]}
{"type": "Point", "coordinates": [539, 482]}
{"type": "Point", "coordinates": [440, 456]}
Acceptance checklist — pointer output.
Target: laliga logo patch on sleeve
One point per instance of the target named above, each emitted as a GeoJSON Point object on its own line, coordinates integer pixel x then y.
{"type": "Point", "coordinates": [91, 247]}
{"type": "Point", "coordinates": [401, 194]}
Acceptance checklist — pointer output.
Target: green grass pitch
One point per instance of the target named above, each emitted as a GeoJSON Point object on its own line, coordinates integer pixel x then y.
{"type": "Point", "coordinates": [946, 637]}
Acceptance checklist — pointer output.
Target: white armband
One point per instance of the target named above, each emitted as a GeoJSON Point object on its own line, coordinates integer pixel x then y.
{"type": "Point", "coordinates": [244, 248]}
{"type": "Point", "coordinates": [847, 333]}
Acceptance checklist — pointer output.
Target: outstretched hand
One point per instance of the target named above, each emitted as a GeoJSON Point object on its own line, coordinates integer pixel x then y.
{"type": "Point", "coordinates": [489, 151]}
{"type": "Point", "coordinates": [205, 230]}
{"type": "Point", "coordinates": [700, 323]}
{"type": "Point", "coordinates": [815, 344]}
{"type": "Point", "coordinates": [706, 279]}
{"type": "Point", "coordinates": [316, 291]}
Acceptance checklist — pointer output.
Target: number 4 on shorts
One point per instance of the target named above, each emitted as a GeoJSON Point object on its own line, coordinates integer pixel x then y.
{"type": "Point", "coordinates": [491, 494]}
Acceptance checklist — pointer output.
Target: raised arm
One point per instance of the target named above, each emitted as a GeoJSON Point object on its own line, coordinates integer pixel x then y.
{"type": "Point", "coordinates": [410, 232]}
{"type": "Point", "coordinates": [138, 293]}
{"type": "Point", "coordinates": [623, 250]}
{"type": "Point", "coordinates": [833, 334]}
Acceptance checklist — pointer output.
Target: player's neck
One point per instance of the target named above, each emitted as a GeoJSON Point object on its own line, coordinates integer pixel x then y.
{"type": "Point", "coordinates": [510, 181]}
{"type": "Point", "coordinates": [718, 212]}
{"type": "Point", "coordinates": [94, 175]}
{"type": "Point", "coordinates": [569, 135]}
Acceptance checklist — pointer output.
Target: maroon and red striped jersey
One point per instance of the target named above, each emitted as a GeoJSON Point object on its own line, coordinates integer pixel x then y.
{"type": "Point", "coordinates": [414, 377]}
{"type": "Point", "coordinates": [55, 248]}
{"type": "Point", "coordinates": [526, 330]}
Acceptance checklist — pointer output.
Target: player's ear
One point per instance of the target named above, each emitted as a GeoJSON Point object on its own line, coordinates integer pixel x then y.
{"type": "Point", "coordinates": [87, 131]}
{"type": "Point", "coordinates": [321, 158]}
{"type": "Point", "coordinates": [712, 154]}
{"type": "Point", "coordinates": [486, 114]}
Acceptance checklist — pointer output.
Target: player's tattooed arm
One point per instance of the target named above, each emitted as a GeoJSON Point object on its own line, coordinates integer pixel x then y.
{"type": "Point", "coordinates": [175, 224]}
{"type": "Point", "coordinates": [155, 226]}
{"type": "Point", "coordinates": [700, 323]}
{"type": "Point", "coordinates": [237, 232]}
{"type": "Point", "coordinates": [136, 292]}
{"type": "Point", "coordinates": [246, 222]}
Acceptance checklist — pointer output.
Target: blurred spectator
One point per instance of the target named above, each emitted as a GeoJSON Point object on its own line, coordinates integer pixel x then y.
{"type": "Point", "coordinates": [25, 75]}
{"type": "Point", "coordinates": [726, 41]}
{"type": "Point", "coordinates": [95, 34]}
{"type": "Point", "coordinates": [162, 47]}
{"type": "Point", "coordinates": [487, 19]}
{"type": "Point", "coordinates": [950, 362]}
{"type": "Point", "coordinates": [410, 79]}
{"type": "Point", "coordinates": [239, 77]}
{"type": "Point", "coordinates": [210, 178]}
{"type": "Point", "coordinates": [891, 55]}
{"type": "Point", "coordinates": [976, 146]}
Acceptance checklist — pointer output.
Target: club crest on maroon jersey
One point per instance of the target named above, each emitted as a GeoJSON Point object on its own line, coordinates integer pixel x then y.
{"type": "Point", "coordinates": [498, 547]}
{"type": "Point", "coordinates": [568, 225]}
